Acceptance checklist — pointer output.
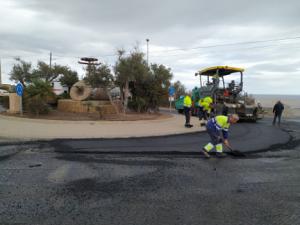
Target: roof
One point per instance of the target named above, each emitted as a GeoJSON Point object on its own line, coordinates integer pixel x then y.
{"type": "Point", "coordinates": [223, 70]}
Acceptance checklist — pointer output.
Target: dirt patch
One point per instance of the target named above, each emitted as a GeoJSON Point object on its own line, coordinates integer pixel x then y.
{"type": "Point", "coordinates": [56, 115]}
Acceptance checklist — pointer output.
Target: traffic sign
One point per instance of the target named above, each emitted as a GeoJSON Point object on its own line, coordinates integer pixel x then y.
{"type": "Point", "coordinates": [171, 90]}
{"type": "Point", "coordinates": [19, 89]}
{"type": "Point", "coordinates": [171, 99]}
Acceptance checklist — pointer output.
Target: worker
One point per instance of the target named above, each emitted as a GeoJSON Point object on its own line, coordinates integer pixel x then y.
{"type": "Point", "coordinates": [217, 129]}
{"type": "Point", "coordinates": [187, 104]}
{"type": "Point", "coordinates": [207, 105]}
{"type": "Point", "coordinates": [277, 111]}
{"type": "Point", "coordinates": [201, 114]}
{"type": "Point", "coordinates": [215, 79]}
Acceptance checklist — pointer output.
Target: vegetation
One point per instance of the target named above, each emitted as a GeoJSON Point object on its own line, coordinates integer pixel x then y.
{"type": "Point", "coordinates": [68, 78]}
{"type": "Point", "coordinates": [101, 77]}
{"type": "Point", "coordinates": [37, 83]}
{"type": "Point", "coordinates": [4, 101]}
{"type": "Point", "coordinates": [179, 89]}
{"type": "Point", "coordinates": [21, 72]}
{"type": "Point", "coordinates": [147, 85]}
{"type": "Point", "coordinates": [37, 95]}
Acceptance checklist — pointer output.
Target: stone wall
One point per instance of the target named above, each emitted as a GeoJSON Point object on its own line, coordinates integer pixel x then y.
{"type": "Point", "coordinates": [14, 103]}
{"type": "Point", "coordinates": [68, 105]}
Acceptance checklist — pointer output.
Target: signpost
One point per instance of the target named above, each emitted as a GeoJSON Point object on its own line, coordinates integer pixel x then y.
{"type": "Point", "coordinates": [19, 90]}
{"type": "Point", "coordinates": [171, 95]}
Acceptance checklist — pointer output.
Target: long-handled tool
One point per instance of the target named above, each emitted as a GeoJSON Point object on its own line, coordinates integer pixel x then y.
{"type": "Point", "coordinates": [235, 153]}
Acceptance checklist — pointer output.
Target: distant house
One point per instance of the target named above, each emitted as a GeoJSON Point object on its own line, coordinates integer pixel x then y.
{"type": "Point", "coordinates": [58, 88]}
{"type": "Point", "coordinates": [4, 92]}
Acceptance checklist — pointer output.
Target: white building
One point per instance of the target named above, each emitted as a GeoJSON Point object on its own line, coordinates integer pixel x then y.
{"type": "Point", "coordinates": [59, 89]}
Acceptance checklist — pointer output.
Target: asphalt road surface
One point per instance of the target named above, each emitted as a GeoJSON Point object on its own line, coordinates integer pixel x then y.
{"type": "Point", "coordinates": [154, 180]}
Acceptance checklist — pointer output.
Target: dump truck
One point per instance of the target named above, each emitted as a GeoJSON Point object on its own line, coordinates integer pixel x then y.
{"type": "Point", "coordinates": [221, 83]}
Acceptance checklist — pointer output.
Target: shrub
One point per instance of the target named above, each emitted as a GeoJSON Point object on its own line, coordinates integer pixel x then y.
{"type": "Point", "coordinates": [4, 101]}
{"type": "Point", "coordinates": [36, 105]}
{"type": "Point", "coordinates": [37, 95]}
{"type": "Point", "coordinates": [138, 104]}
{"type": "Point", "coordinates": [64, 95]}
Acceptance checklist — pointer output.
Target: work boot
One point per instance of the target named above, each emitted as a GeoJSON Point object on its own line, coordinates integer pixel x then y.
{"type": "Point", "coordinates": [220, 154]}
{"type": "Point", "coordinates": [205, 153]}
{"type": "Point", "coordinates": [189, 125]}
{"type": "Point", "coordinates": [202, 123]}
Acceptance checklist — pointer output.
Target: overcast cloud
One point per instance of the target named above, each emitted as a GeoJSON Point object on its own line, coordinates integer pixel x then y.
{"type": "Point", "coordinates": [184, 35]}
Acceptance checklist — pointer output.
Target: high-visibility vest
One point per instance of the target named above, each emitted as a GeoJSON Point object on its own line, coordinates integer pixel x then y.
{"type": "Point", "coordinates": [222, 123]}
{"type": "Point", "coordinates": [208, 99]}
{"type": "Point", "coordinates": [206, 103]}
{"type": "Point", "coordinates": [187, 102]}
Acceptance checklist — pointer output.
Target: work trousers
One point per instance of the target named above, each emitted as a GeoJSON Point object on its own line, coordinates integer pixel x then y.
{"type": "Point", "coordinates": [277, 116]}
{"type": "Point", "coordinates": [202, 114]}
{"type": "Point", "coordinates": [216, 139]}
{"type": "Point", "coordinates": [187, 115]}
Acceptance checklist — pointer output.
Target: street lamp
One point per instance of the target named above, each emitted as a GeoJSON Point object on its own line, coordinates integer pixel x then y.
{"type": "Point", "coordinates": [147, 51]}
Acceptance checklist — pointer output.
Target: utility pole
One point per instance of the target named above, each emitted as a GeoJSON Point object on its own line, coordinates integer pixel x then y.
{"type": "Point", "coordinates": [90, 62]}
{"type": "Point", "coordinates": [50, 63]}
{"type": "Point", "coordinates": [147, 51]}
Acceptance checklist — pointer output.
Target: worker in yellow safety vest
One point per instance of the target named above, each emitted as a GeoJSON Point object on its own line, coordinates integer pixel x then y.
{"type": "Point", "coordinates": [205, 108]}
{"type": "Point", "coordinates": [187, 104]}
{"type": "Point", "coordinates": [217, 128]}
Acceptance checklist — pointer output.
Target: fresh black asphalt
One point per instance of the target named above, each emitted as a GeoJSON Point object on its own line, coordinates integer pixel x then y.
{"type": "Point", "coordinates": [161, 180]}
{"type": "Point", "coordinates": [245, 137]}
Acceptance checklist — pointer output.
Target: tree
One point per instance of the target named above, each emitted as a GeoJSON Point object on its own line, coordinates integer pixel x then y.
{"type": "Point", "coordinates": [148, 85]}
{"type": "Point", "coordinates": [129, 69]}
{"type": "Point", "coordinates": [69, 78]}
{"type": "Point", "coordinates": [43, 71]}
{"type": "Point", "coordinates": [101, 77]}
{"type": "Point", "coordinates": [149, 91]}
{"type": "Point", "coordinates": [179, 89]}
{"type": "Point", "coordinates": [21, 72]}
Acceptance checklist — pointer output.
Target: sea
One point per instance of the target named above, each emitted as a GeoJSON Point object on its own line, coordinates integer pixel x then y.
{"type": "Point", "coordinates": [267, 100]}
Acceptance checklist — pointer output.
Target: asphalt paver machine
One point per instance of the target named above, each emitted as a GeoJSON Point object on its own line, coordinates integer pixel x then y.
{"type": "Point", "coordinates": [228, 94]}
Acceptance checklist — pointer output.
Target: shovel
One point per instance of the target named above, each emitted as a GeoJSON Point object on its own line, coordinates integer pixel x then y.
{"type": "Point", "coordinates": [235, 153]}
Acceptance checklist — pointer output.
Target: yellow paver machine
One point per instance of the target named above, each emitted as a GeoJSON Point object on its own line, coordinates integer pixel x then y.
{"type": "Point", "coordinates": [226, 89]}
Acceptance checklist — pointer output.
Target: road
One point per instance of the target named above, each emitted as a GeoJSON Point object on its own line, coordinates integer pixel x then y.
{"type": "Point", "coordinates": [154, 180]}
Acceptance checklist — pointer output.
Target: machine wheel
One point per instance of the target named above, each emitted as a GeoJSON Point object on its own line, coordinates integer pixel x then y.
{"type": "Point", "coordinates": [254, 117]}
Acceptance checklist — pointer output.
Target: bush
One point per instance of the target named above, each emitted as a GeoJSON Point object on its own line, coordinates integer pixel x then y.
{"type": "Point", "coordinates": [4, 101]}
{"type": "Point", "coordinates": [64, 95]}
{"type": "Point", "coordinates": [36, 97]}
{"type": "Point", "coordinates": [138, 104]}
{"type": "Point", "coordinates": [36, 105]}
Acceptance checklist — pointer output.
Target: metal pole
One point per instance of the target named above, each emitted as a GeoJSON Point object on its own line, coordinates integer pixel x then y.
{"type": "Point", "coordinates": [21, 106]}
{"type": "Point", "coordinates": [50, 63]}
{"type": "Point", "coordinates": [147, 51]}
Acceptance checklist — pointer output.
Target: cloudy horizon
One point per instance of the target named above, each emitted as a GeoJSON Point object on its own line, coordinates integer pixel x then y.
{"type": "Point", "coordinates": [263, 37]}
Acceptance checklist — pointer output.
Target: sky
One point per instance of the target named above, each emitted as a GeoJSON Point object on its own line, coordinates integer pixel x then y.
{"type": "Point", "coordinates": [261, 36]}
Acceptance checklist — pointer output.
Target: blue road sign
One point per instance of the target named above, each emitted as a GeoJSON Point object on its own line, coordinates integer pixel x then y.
{"type": "Point", "coordinates": [171, 90]}
{"type": "Point", "coordinates": [19, 89]}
